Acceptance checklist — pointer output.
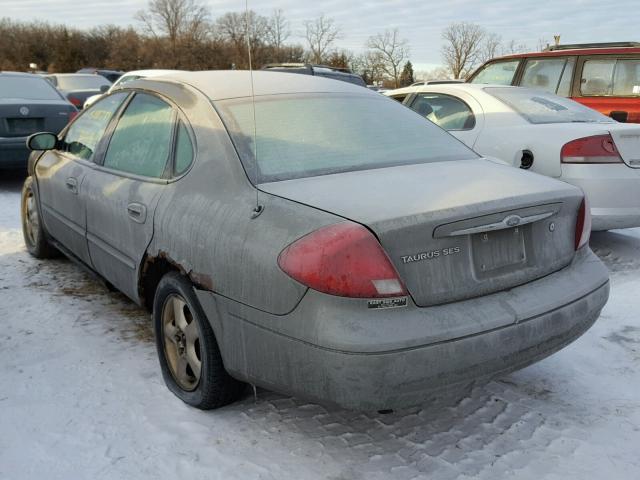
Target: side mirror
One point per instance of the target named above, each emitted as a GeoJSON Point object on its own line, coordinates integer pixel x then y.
{"type": "Point", "coordinates": [42, 141]}
{"type": "Point", "coordinates": [104, 88]}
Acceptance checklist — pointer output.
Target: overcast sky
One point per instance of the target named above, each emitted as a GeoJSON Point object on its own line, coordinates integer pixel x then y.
{"type": "Point", "coordinates": [420, 22]}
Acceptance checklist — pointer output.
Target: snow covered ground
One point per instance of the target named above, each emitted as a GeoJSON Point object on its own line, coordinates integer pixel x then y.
{"type": "Point", "coordinates": [81, 397]}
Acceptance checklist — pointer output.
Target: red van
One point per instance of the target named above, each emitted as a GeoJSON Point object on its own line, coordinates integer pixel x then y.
{"type": "Point", "coordinates": [603, 76]}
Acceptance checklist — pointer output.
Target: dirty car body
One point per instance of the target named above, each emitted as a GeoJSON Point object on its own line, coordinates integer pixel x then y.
{"type": "Point", "coordinates": [366, 278]}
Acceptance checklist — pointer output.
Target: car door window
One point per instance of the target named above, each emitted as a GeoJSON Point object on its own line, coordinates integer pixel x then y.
{"type": "Point", "coordinates": [141, 142]}
{"type": "Point", "coordinates": [497, 73]}
{"type": "Point", "coordinates": [184, 150]}
{"type": "Point", "coordinates": [84, 134]}
{"type": "Point", "coordinates": [446, 111]}
{"type": "Point", "coordinates": [399, 98]}
{"type": "Point", "coordinates": [547, 74]}
{"type": "Point", "coordinates": [597, 77]}
{"type": "Point", "coordinates": [626, 79]}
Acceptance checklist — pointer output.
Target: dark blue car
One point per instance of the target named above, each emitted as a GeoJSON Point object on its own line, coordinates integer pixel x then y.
{"type": "Point", "coordinates": [28, 104]}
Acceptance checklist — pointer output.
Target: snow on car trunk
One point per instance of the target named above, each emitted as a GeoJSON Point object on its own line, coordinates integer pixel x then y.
{"type": "Point", "coordinates": [627, 140]}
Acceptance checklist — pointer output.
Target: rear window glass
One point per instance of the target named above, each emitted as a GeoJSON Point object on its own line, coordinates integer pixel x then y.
{"type": "Point", "coordinates": [445, 111]}
{"type": "Point", "coordinates": [27, 88]}
{"type": "Point", "coordinates": [317, 134]}
{"type": "Point", "coordinates": [626, 79]}
{"type": "Point", "coordinates": [540, 107]}
{"type": "Point", "coordinates": [81, 82]}
{"type": "Point", "coordinates": [497, 73]}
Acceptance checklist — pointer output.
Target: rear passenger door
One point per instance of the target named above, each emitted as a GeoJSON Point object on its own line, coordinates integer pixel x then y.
{"type": "Point", "coordinates": [123, 191]}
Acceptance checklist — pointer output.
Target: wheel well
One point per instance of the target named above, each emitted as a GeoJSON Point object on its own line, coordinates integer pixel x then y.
{"type": "Point", "coordinates": [153, 269]}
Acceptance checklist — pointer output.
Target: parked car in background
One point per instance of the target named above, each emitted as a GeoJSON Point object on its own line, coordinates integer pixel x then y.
{"type": "Point", "coordinates": [602, 76]}
{"type": "Point", "coordinates": [340, 248]}
{"type": "Point", "coordinates": [127, 77]}
{"type": "Point", "coordinates": [343, 74]}
{"type": "Point", "coordinates": [28, 104]}
{"type": "Point", "coordinates": [77, 87]}
{"type": "Point", "coordinates": [111, 75]}
{"type": "Point", "coordinates": [546, 133]}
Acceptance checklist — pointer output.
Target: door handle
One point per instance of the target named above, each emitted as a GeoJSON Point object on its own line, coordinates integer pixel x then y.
{"type": "Point", "coordinates": [137, 212]}
{"type": "Point", "coordinates": [72, 184]}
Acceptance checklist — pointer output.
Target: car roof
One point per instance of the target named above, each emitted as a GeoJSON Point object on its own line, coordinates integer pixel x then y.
{"type": "Point", "coordinates": [151, 72]}
{"type": "Point", "coordinates": [572, 51]}
{"type": "Point", "coordinates": [222, 84]}
{"type": "Point", "coordinates": [20, 74]}
{"type": "Point", "coordinates": [92, 75]}
{"type": "Point", "coordinates": [444, 87]}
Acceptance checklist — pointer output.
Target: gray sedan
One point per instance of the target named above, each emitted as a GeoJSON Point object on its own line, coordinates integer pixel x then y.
{"type": "Point", "coordinates": [316, 239]}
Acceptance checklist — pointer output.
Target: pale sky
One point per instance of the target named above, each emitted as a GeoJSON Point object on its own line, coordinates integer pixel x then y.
{"type": "Point", "coordinates": [420, 22]}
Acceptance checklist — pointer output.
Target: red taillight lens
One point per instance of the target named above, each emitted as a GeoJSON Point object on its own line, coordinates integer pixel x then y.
{"type": "Point", "coordinates": [76, 102]}
{"type": "Point", "coordinates": [583, 224]}
{"type": "Point", "coordinates": [343, 259]}
{"type": "Point", "coordinates": [596, 149]}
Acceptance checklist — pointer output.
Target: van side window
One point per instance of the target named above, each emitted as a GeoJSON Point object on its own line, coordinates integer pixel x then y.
{"type": "Point", "coordinates": [497, 73]}
{"type": "Point", "coordinates": [551, 75]}
{"type": "Point", "coordinates": [626, 80]}
{"type": "Point", "coordinates": [597, 77]}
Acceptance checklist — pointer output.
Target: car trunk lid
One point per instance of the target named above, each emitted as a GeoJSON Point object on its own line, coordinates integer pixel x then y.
{"type": "Point", "coordinates": [627, 140]}
{"type": "Point", "coordinates": [453, 230]}
{"type": "Point", "coordinates": [20, 118]}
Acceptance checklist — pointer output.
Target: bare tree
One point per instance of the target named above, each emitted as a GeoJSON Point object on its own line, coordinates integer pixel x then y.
{"type": "Point", "coordinates": [320, 34]}
{"type": "Point", "coordinates": [491, 47]}
{"type": "Point", "coordinates": [175, 19]}
{"type": "Point", "coordinates": [277, 29]}
{"type": "Point", "coordinates": [392, 52]}
{"type": "Point", "coordinates": [462, 47]}
{"type": "Point", "coordinates": [235, 27]}
{"type": "Point", "coordinates": [369, 66]}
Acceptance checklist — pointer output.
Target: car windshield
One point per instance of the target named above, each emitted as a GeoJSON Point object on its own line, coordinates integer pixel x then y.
{"type": "Point", "coordinates": [318, 134]}
{"type": "Point", "coordinates": [27, 88]}
{"type": "Point", "coordinates": [541, 107]}
{"type": "Point", "coordinates": [82, 82]}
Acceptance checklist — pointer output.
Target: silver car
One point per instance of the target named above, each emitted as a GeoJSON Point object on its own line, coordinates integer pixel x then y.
{"type": "Point", "coordinates": [312, 237]}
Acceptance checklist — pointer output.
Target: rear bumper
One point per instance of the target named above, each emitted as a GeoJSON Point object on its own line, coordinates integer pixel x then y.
{"type": "Point", "coordinates": [13, 152]}
{"type": "Point", "coordinates": [369, 360]}
{"type": "Point", "coordinates": [613, 192]}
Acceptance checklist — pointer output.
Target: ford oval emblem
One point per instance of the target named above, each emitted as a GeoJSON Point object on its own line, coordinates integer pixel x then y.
{"type": "Point", "coordinates": [512, 220]}
{"type": "Point", "coordinates": [24, 111]}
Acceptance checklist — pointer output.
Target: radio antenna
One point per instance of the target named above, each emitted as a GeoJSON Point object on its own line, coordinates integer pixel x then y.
{"type": "Point", "coordinates": [258, 208]}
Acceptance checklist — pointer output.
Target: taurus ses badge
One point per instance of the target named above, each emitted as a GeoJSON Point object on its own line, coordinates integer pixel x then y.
{"type": "Point", "coordinates": [512, 220]}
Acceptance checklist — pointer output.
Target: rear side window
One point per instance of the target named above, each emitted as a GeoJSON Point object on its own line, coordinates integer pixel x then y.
{"type": "Point", "coordinates": [446, 111]}
{"type": "Point", "coordinates": [27, 88]}
{"type": "Point", "coordinates": [597, 77]}
{"type": "Point", "coordinates": [398, 98]}
{"type": "Point", "coordinates": [184, 150]}
{"type": "Point", "coordinates": [141, 142]}
{"type": "Point", "coordinates": [552, 75]}
{"type": "Point", "coordinates": [84, 134]}
{"type": "Point", "coordinates": [497, 73]}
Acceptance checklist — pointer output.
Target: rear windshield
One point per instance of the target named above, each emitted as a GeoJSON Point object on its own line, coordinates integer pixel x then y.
{"type": "Point", "coordinates": [318, 134]}
{"type": "Point", "coordinates": [82, 82]}
{"type": "Point", "coordinates": [497, 73]}
{"type": "Point", "coordinates": [27, 88]}
{"type": "Point", "coordinates": [541, 107]}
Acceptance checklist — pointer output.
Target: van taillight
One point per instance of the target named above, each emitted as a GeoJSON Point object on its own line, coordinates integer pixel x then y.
{"type": "Point", "coordinates": [342, 259]}
{"type": "Point", "coordinates": [596, 149]}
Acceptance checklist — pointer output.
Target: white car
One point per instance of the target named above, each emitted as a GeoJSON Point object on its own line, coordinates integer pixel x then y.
{"type": "Point", "coordinates": [551, 135]}
{"type": "Point", "coordinates": [127, 77]}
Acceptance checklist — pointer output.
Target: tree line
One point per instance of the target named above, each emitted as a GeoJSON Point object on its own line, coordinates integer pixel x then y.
{"type": "Point", "coordinates": [181, 34]}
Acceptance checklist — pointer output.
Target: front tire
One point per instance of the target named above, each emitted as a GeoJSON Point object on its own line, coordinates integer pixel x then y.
{"type": "Point", "coordinates": [35, 236]}
{"type": "Point", "coordinates": [187, 348]}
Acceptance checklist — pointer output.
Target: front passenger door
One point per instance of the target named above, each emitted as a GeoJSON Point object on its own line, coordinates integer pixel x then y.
{"type": "Point", "coordinates": [123, 192]}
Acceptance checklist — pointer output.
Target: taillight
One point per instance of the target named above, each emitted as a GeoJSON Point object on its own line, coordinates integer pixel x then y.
{"type": "Point", "coordinates": [342, 259]}
{"type": "Point", "coordinates": [75, 101]}
{"type": "Point", "coordinates": [73, 114]}
{"type": "Point", "coordinates": [583, 224]}
{"type": "Point", "coordinates": [596, 149]}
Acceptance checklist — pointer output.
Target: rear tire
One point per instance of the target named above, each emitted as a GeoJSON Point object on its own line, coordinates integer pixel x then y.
{"type": "Point", "coordinates": [35, 236]}
{"type": "Point", "coordinates": [189, 355]}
